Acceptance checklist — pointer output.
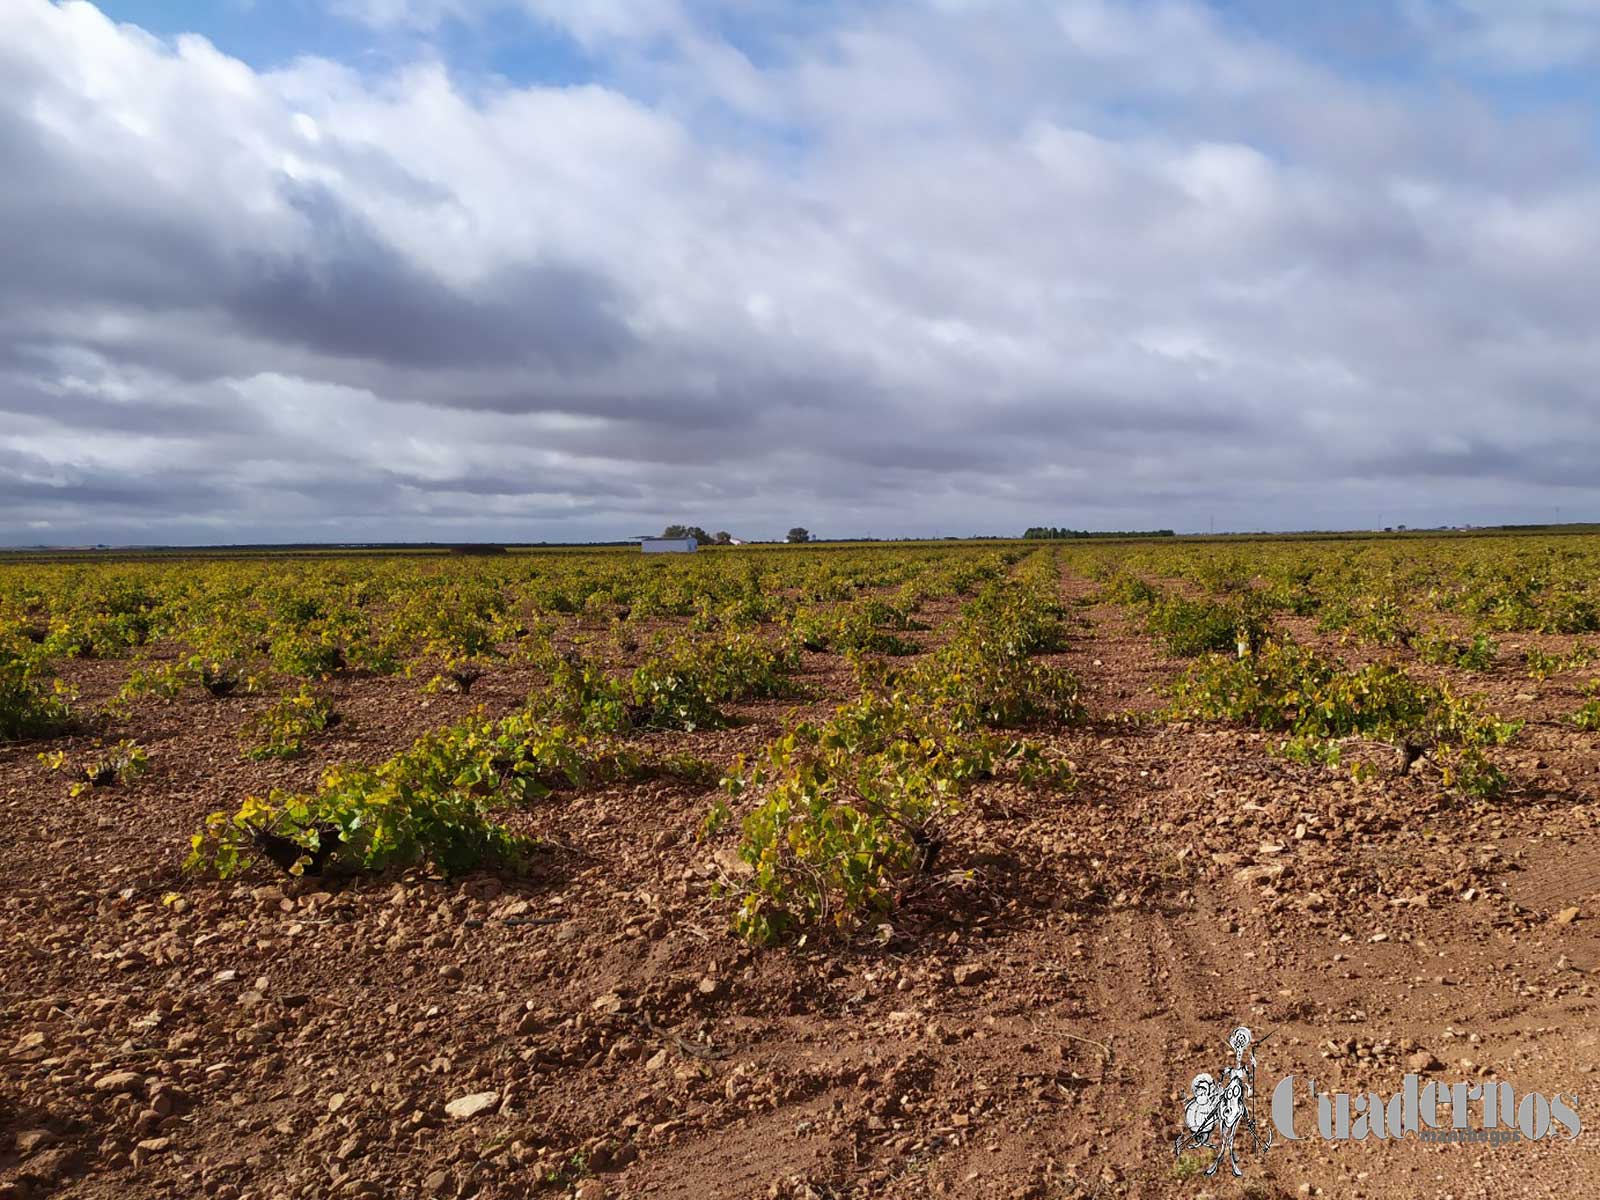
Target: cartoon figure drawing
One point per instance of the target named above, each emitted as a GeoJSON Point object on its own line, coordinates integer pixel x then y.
{"type": "Point", "coordinates": [1217, 1107]}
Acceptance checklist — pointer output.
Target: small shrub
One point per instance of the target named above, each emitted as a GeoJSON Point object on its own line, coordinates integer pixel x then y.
{"type": "Point", "coordinates": [31, 703]}
{"type": "Point", "coordinates": [429, 803]}
{"type": "Point", "coordinates": [219, 680]}
{"type": "Point", "coordinates": [848, 810]}
{"type": "Point", "coordinates": [120, 765]}
{"type": "Point", "coordinates": [281, 730]}
{"type": "Point", "coordinates": [1587, 718]}
{"type": "Point", "coordinates": [1317, 702]}
{"type": "Point", "coordinates": [1441, 650]}
{"type": "Point", "coordinates": [308, 654]}
{"type": "Point", "coordinates": [1542, 664]}
{"type": "Point", "coordinates": [1131, 590]}
{"type": "Point", "coordinates": [1190, 628]}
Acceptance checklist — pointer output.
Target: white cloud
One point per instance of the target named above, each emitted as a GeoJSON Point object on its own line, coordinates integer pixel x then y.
{"type": "Point", "coordinates": [965, 266]}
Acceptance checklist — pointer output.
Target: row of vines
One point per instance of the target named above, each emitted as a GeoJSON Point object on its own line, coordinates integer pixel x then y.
{"type": "Point", "coordinates": [835, 818]}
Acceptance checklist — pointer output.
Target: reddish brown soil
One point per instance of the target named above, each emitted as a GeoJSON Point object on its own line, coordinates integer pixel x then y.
{"type": "Point", "coordinates": [1024, 1029]}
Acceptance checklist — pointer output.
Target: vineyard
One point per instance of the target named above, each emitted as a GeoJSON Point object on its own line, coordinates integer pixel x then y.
{"type": "Point", "coordinates": [814, 871]}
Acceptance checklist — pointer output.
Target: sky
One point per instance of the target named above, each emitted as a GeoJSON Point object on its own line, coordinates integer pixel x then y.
{"type": "Point", "coordinates": [528, 270]}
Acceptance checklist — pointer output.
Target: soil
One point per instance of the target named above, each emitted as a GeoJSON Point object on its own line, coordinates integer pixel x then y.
{"type": "Point", "coordinates": [1024, 1025]}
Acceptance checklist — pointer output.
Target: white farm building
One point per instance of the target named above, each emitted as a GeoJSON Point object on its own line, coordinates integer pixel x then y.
{"type": "Point", "coordinates": [661, 545]}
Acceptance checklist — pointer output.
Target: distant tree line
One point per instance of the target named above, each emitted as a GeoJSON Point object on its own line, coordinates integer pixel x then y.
{"type": "Point", "coordinates": [1046, 532]}
{"type": "Point", "coordinates": [721, 538]}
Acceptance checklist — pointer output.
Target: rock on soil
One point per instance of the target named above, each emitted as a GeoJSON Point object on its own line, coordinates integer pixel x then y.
{"type": "Point", "coordinates": [464, 1108]}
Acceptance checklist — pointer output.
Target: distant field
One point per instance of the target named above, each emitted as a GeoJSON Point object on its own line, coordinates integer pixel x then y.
{"type": "Point", "coordinates": [445, 549]}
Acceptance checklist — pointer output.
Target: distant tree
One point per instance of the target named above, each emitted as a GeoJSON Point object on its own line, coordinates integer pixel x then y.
{"type": "Point", "coordinates": [799, 534]}
{"type": "Point", "coordinates": [687, 531]}
{"type": "Point", "coordinates": [723, 537]}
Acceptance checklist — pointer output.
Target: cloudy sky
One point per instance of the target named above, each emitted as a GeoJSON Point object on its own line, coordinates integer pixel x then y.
{"type": "Point", "coordinates": [572, 269]}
